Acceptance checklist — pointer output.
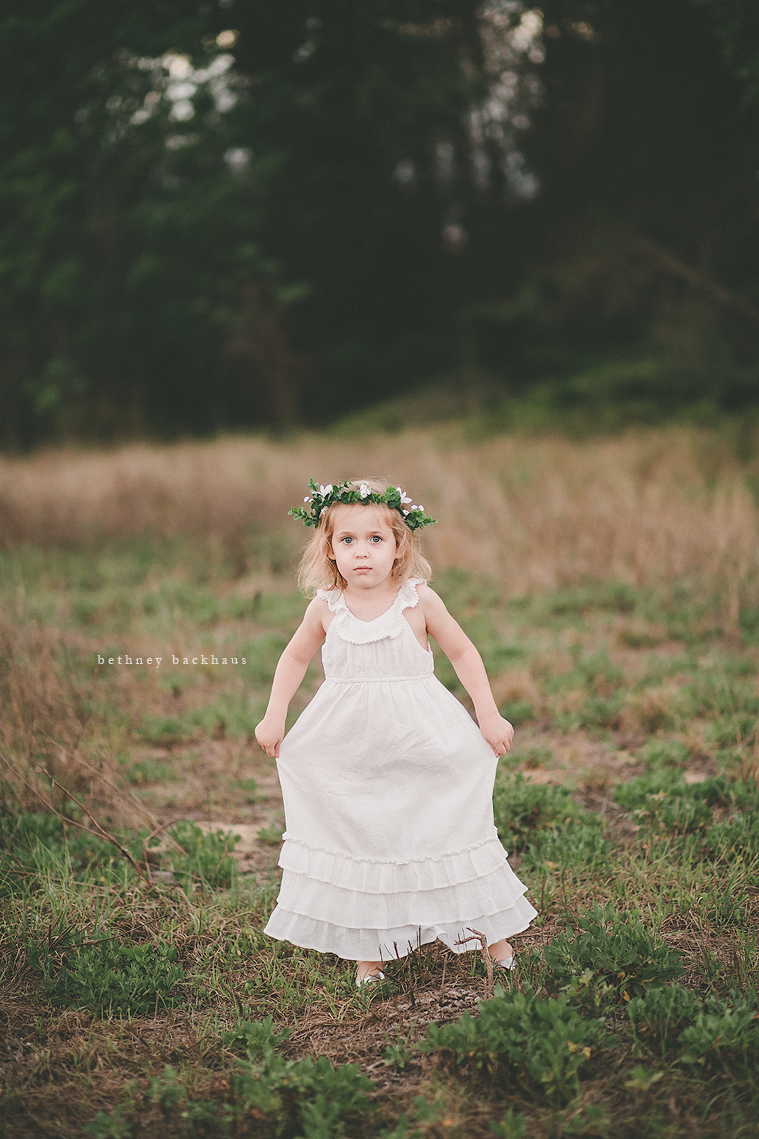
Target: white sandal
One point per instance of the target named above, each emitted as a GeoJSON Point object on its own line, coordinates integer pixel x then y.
{"type": "Point", "coordinates": [370, 979]}
{"type": "Point", "coordinates": [507, 963]}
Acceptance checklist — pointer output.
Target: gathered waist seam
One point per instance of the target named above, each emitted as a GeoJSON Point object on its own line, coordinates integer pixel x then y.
{"type": "Point", "coordinates": [342, 856]}
{"type": "Point", "coordinates": [377, 679]}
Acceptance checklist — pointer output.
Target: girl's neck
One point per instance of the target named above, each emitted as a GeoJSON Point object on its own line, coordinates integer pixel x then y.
{"type": "Point", "coordinates": [372, 602]}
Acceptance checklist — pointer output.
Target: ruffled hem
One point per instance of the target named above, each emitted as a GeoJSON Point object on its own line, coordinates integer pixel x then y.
{"type": "Point", "coordinates": [390, 944]}
{"type": "Point", "coordinates": [389, 624]}
{"type": "Point", "coordinates": [489, 895]}
{"type": "Point", "coordinates": [371, 876]}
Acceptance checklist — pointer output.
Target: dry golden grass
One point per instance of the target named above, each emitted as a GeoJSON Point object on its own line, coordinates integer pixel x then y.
{"type": "Point", "coordinates": [531, 512]}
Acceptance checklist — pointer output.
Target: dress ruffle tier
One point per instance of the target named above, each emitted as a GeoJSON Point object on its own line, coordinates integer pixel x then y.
{"type": "Point", "coordinates": [380, 925]}
{"type": "Point", "coordinates": [390, 841]}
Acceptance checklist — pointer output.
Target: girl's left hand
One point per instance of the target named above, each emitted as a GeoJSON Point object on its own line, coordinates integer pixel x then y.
{"type": "Point", "coordinates": [269, 734]}
{"type": "Point", "coordinates": [498, 732]}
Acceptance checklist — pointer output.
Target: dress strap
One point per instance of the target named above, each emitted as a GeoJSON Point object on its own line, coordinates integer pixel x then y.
{"type": "Point", "coordinates": [391, 623]}
{"type": "Point", "coordinates": [334, 599]}
{"type": "Point", "coordinates": [408, 597]}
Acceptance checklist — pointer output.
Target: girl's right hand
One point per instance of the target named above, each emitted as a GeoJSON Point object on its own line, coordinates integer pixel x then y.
{"type": "Point", "coordinates": [269, 735]}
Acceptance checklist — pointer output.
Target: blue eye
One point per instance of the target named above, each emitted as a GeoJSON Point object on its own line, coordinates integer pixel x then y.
{"type": "Point", "coordinates": [346, 540]}
{"type": "Point", "coordinates": [375, 538]}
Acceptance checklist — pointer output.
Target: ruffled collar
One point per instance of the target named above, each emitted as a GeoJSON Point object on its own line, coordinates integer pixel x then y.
{"type": "Point", "coordinates": [389, 624]}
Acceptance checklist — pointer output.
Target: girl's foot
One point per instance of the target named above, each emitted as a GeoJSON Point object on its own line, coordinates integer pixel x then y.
{"type": "Point", "coordinates": [502, 953]}
{"type": "Point", "coordinates": [369, 973]}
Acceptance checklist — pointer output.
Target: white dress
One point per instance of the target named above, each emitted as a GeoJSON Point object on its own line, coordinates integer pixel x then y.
{"type": "Point", "coordinates": [387, 785]}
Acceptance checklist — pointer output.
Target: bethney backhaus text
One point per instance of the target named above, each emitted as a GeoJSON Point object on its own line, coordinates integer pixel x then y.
{"type": "Point", "coordinates": [174, 659]}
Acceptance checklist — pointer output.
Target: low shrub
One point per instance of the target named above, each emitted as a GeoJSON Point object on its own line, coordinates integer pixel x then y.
{"type": "Point", "coordinates": [257, 1039]}
{"type": "Point", "coordinates": [308, 1097]}
{"type": "Point", "coordinates": [167, 1090]}
{"type": "Point", "coordinates": [400, 1053]}
{"type": "Point", "coordinates": [319, 1099]}
{"type": "Point", "coordinates": [725, 1035]}
{"type": "Point", "coordinates": [110, 1125]}
{"type": "Point", "coordinates": [168, 1093]}
{"type": "Point", "coordinates": [613, 954]}
{"type": "Point", "coordinates": [543, 1043]}
{"type": "Point", "coordinates": [663, 1010]}
{"type": "Point", "coordinates": [512, 1126]}
{"type": "Point", "coordinates": [107, 977]}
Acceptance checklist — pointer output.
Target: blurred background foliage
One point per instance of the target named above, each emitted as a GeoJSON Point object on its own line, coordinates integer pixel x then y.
{"type": "Point", "coordinates": [273, 213]}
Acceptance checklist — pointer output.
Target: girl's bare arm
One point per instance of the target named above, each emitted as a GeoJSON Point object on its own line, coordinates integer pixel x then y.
{"type": "Point", "coordinates": [288, 676]}
{"type": "Point", "coordinates": [469, 668]}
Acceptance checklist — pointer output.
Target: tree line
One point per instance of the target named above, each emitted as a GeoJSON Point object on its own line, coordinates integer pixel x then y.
{"type": "Point", "coordinates": [264, 213]}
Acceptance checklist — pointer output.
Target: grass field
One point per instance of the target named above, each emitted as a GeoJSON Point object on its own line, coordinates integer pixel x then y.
{"type": "Point", "coordinates": [612, 587]}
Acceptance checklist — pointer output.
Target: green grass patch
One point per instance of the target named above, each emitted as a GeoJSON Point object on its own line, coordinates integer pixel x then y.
{"type": "Point", "coordinates": [108, 978]}
{"type": "Point", "coordinates": [206, 855]}
{"type": "Point", "coordinates": [545, 822]}
{"type": "Point", "coordinates": [543, 1045]}
{"type": "Point", "coordinates": [637, 698]}
{"type": "Point", "coordinates": [609, 954]}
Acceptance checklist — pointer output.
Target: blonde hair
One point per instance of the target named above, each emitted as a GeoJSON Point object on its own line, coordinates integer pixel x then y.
{"type": "Point", "coordinates": [318, 569]}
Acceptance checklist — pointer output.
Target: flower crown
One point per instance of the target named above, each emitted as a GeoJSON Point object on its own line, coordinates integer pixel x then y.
{"type": "Point", "coordinates": [348, 494]}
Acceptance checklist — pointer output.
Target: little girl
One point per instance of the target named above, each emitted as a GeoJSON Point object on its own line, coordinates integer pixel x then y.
{"type": "Point", "coordinates": [386, 779]}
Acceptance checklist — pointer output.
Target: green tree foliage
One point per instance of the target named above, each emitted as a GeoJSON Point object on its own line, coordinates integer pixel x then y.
{"type": "Point", "coordinates": [264, 212]}
{"type": "Point", "coordinates": [127, 246]}
{"type": "Point", "coordinates": [642, 285]}
{"type": "Point", "coordinates": [164, 203]}
{"type": "Point", "coordinates": [736, 23]}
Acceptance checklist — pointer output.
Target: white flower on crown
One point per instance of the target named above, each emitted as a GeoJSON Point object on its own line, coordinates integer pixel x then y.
{"type": "Point", "coordinates": [418, 508]}
{"type": "Point", "coordinates": [325, 490]}
{"type": "Point", "coordinates": [405, 512]}
{"type": "Point", "coordinates": [404, 496]}
{"type": "Point", "coordinates": [306, 499]}
{"type": "Point", "coordinates": [364, 490]}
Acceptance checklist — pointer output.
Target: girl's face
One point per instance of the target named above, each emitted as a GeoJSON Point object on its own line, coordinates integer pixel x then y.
{"type": "Point", "coordinates": [363, 545]}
